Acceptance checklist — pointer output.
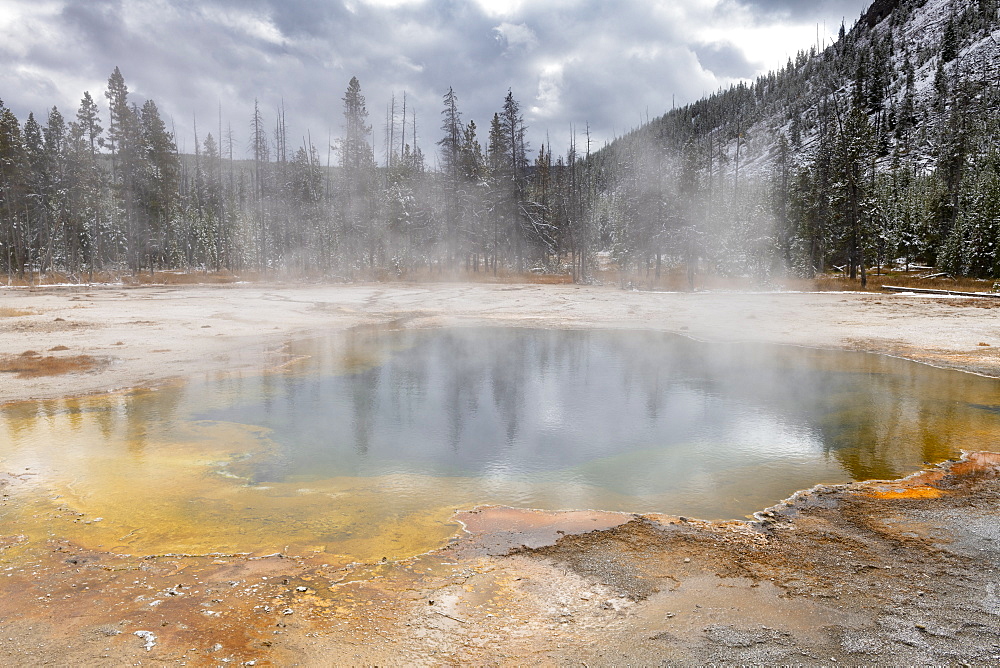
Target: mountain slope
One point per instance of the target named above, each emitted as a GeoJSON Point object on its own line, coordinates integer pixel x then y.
{"type": "Point", "coordinates": [878, 147]}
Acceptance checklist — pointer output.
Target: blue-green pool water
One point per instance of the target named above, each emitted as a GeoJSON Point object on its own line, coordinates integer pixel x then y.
{"type": "Point", "coordinates": [368, 441]}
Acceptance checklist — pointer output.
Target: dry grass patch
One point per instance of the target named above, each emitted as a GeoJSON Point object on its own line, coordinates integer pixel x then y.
{"type": "Point", "coordinates": [165, 277]}
{"type": "Point", "coordinates": [176, 277]}
{"type": "Point", "coordinates": [8, 312]}
{"type": "Point", "coordinates": [31, 364]}
{"type": "Point", "coordinates": [840, 282]}
{"type": "Point", "coordinates": [536, 278]}
{"type": "Point", "coordinates": [461, 275]}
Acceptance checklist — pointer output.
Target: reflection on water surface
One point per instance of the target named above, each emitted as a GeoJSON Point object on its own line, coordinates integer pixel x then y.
{"type": "Point", "coordinates": [364, 447]}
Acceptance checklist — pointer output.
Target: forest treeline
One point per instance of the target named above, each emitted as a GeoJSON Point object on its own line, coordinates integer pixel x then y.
{"type": "Point", "coordinates": [80, 198]}
{"type": "Point", "coordinates": [877, 148]}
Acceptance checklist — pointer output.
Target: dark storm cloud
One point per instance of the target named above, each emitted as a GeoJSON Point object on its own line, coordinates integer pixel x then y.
{"type": "Point", "coordinates": [832, 11]}
{"type": "Point", "coordinates": [569, 62]}
{"type": "Point", "coordinates": [725, 60]}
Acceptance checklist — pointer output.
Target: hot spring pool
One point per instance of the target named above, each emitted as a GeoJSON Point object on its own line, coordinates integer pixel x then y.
{"type": "Point", "coordinates": [365, 445]}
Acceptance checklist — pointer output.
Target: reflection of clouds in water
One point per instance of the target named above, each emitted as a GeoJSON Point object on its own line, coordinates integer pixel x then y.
{"type": "Point", "coordinates": [556, 419]}
{"type": "Point", "coordinates": [479, 401]}
{"type": "Point", "coordinates": [551, 398]}
{"type": "Point", "coordinates": [752, 443]}
{"type": "Point", "coordinates": [767, 435]}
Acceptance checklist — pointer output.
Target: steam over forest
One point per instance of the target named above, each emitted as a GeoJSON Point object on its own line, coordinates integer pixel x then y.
{"type": "Point", "coordinates": [875, 150]}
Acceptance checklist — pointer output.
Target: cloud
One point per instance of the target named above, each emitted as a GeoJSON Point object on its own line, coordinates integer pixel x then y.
{"type": "Point", "coordinates": [569, 62]}
{"type": "Point", "coordinates": [516, 35]}
{"type": "Point", "coordinates": [725, 60]}
{"type": "Point", "coordinates": [833, 10]}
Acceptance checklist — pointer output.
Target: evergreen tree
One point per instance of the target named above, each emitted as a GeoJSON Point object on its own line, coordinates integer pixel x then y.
{"type": "Point", "coordinates": [472, 160]}
{"type": "Point", "coordinates": [853, 204]}
{"type": "Point", "coordinates": [85, 136]}
{"type": "Point", "coordinates": [949, 41]}
{"type": "Point", "coordinates": [37, 190]}
{"type": "Point", "coordinates": [906, 118]}
{"type": "Point", "coordinates": [357, 161]}
{"type": "Point", "coordinates": [355, 151]}
{"type": "Point", "coordinates": [451, 164]}
{"type": "Point", "coordinates": [117, 95]}
{"type": "Point", "coordinates": [124, 142]}
{"type": "Point", "coordinates": [158, 188]}
{"type": "Point", "coordinates": [14, 227]}
{"type": "Point", "coordinates": [514, 168]}
{"type": "Point", "coordinates": [451, 141]}
{"type": "Point", "coordinates": [63, 234]}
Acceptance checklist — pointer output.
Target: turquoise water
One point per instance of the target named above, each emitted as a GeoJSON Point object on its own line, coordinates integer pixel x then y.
{"type": "Point", "coordinates": [635, 413]}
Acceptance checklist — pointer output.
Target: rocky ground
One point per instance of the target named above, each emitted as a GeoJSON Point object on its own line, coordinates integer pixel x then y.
{"type": "Point", "coordinates": [868, 573]}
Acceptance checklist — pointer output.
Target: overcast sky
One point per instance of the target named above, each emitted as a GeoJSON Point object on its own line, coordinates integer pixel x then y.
{"type": "Point", "coordinates": [606, 63]}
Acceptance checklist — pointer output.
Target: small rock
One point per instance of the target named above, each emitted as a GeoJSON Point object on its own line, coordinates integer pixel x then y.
{"type": "Point", "coordinates": [287, 611]}
{"type": "Point", "coordinates": [302, 589]}
{"type": "Point", "coordinates": [149, 637]}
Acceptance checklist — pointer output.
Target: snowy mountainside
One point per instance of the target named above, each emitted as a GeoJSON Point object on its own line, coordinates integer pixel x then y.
{"type": "Point", "coordinates": [749, 118]}
{"type": "Point", "coordinates": [913, 31]}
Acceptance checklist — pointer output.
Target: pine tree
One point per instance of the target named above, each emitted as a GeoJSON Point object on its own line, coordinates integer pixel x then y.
{"type": "Point", "coordinates": [13, 226]}
{"type": "Point", "coordinates": [949, 41]}
{"type": "Point", "coordinates": [853, 203]}
{"type": "Point", "coordinates": [88, 118]}
{"type": "Point", "coordinates": [37, 191]}
{"type": "Point", "coordinates": [124, 141]}
{"type": "Point", "coordinates": [259, 185]}
{"type": "Point", "coordinates": [498, 180]}
{"type": "Point", "coordinates": [357, 161]}
{"type": "Point", "coordinates": [514, 130]}
{"type": "Point", "coordinates": [451, 164]}
{"type": "Point", "coordinates": [906, 118]}
{"type": "Point", "coordinates": [355, 151]}
{"type": "Point", "coordinates": [952, 161]}
{"type": "Point", "coordinates": [62, 228]}
{"type": "Point", "coordinates": [941, 86]}
{"type": "Point", "coordinates": [514, 168]}
{"type": "Point", "coordinates": [473, 171]}
{"type": "Point", "coordinates": [451, 141]}
{"type": "Point", "coordinates": [472, 160]}
{"type": "Point", "coordinates": [159, 189]}
{"type": "Point", "coordinates": [210, 197]}
{"type": "Point", "coordinates": [878, 78]}
{"type": "Point", "coordinates": [85, 136]}
{"type": "Point", "coordinates": [117, 96]}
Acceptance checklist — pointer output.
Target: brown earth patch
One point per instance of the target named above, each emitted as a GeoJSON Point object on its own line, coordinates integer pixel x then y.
{"type": "Point", "coordinates": [31, 364]}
